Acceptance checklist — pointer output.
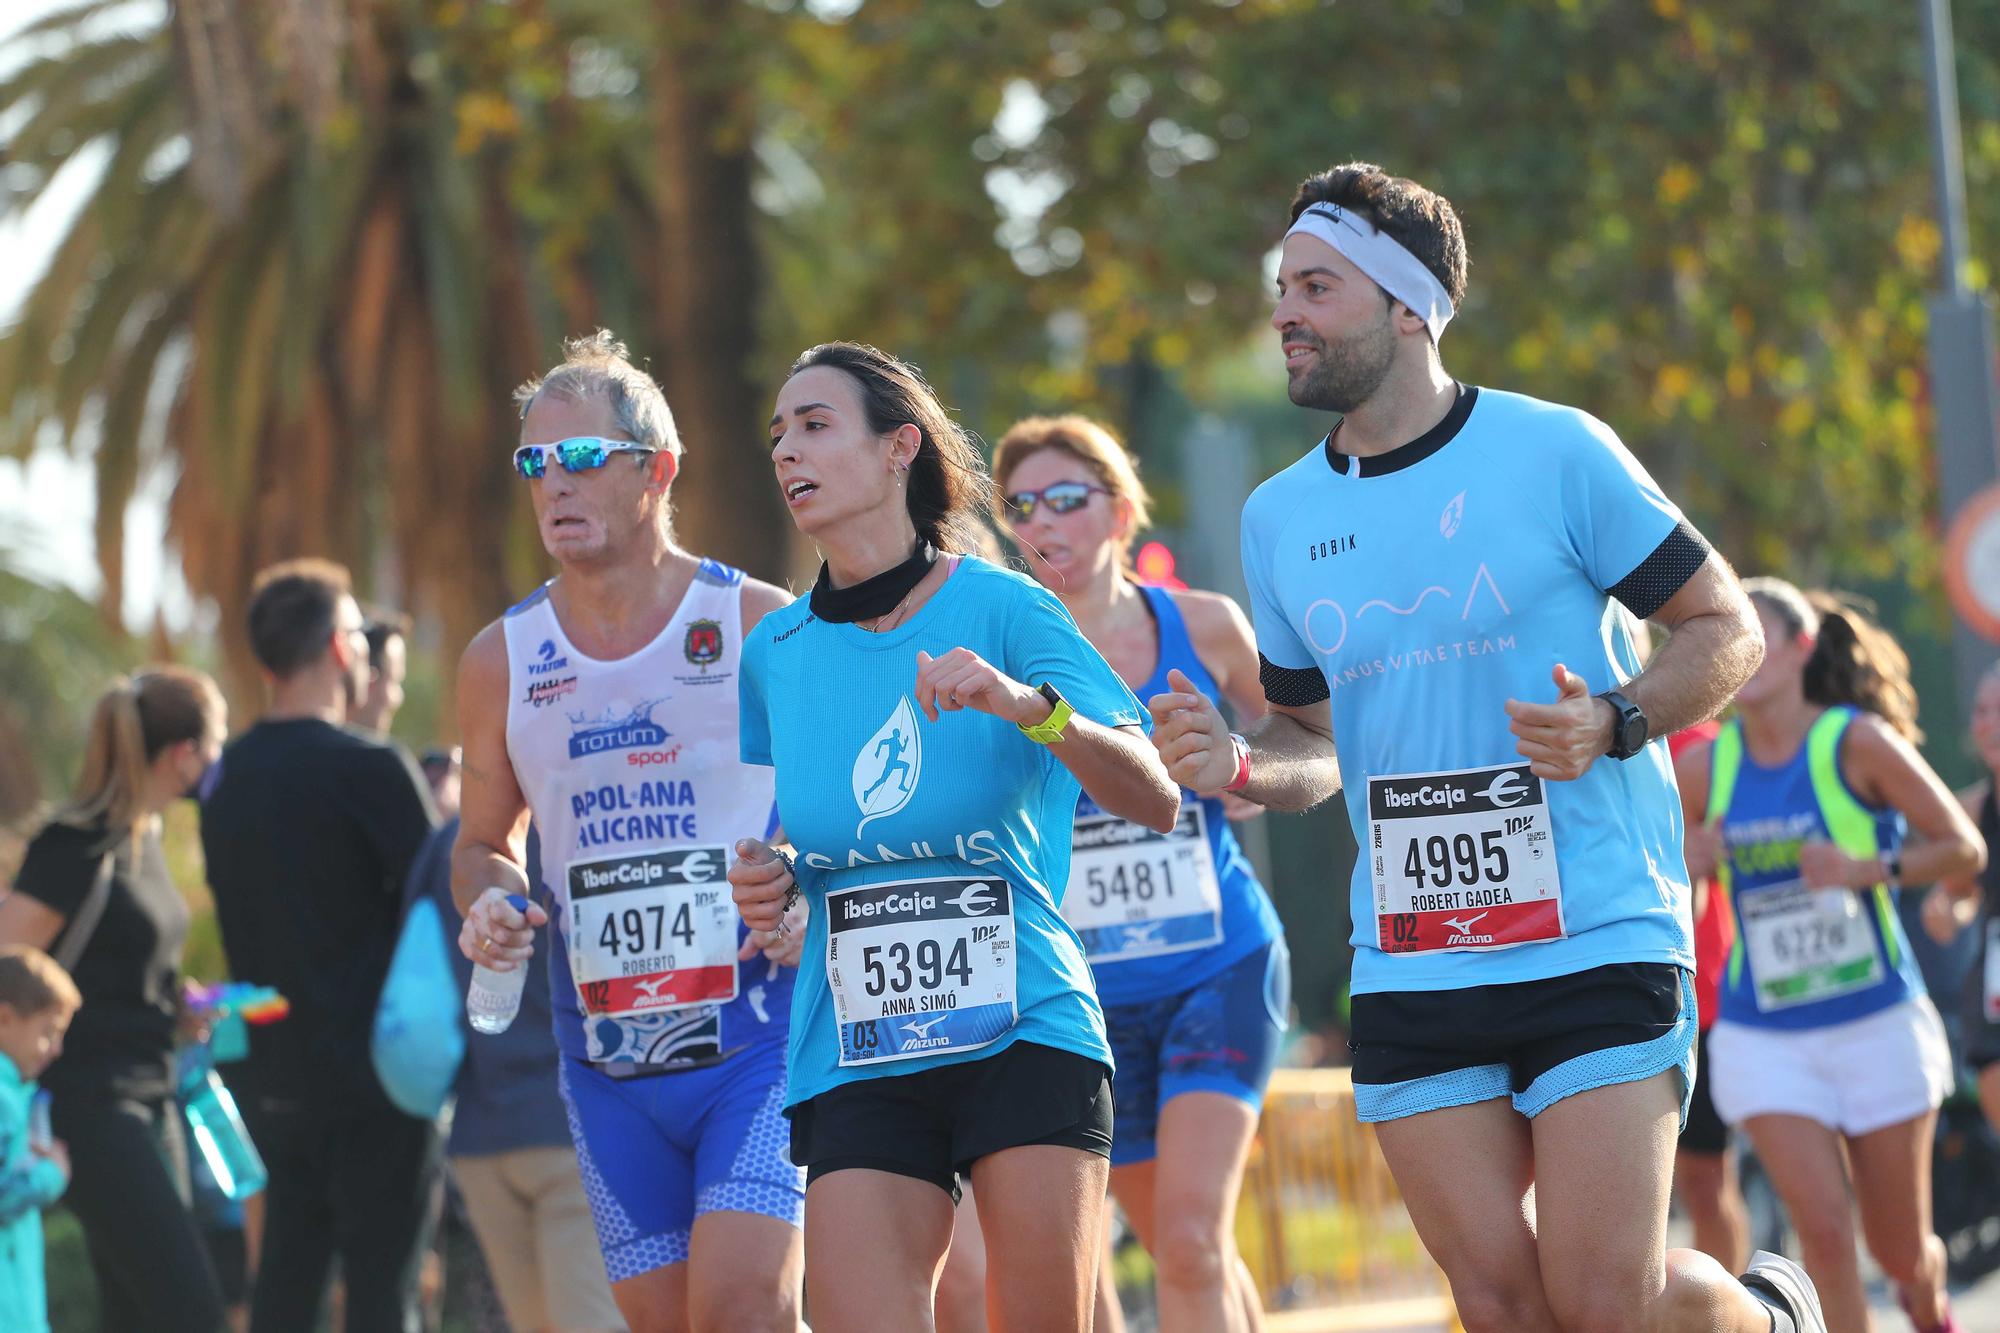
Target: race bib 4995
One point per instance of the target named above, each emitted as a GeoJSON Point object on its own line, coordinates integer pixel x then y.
{"type": "Point", "coordinates": [1462, 860]}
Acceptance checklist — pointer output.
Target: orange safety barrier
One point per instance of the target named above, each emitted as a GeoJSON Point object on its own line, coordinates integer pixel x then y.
{"type": "Point", "coordinates": [1321, 1224]}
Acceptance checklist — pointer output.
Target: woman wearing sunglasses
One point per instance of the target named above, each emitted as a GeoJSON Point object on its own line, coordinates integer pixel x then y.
{"type": "Point", "coordinates": [1187, 952]}
{"type": "Point", "coordinates": [932, 719]}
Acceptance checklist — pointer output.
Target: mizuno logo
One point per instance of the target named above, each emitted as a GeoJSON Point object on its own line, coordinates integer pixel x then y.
{"type": "Point", "coordinates": [922, 1031]}
{"type": "Point", "coordinates": [1465, 927]}
{"type": "Point", "coordinates": [652, 988]}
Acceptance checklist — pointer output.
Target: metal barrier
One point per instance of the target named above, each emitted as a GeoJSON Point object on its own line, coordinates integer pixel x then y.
{"type": "Point", "coordinates": [1321, 1224]}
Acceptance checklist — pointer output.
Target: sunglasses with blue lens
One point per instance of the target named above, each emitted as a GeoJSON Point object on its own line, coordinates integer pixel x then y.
{"type": "Point", "coordinates": [581, 453]}
{"type": "Point", "coordinates": [1064, 497]}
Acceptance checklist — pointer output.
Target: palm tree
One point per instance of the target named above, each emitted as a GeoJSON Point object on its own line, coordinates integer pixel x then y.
{"type": "Point", "coordinates": [328, 238]}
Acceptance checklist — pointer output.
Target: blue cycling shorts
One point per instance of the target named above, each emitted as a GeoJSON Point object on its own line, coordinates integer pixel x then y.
{"type": "Point", "coordinates": [659, 1151]}
{"type": "Point", "coordinates": [1221, 1036]}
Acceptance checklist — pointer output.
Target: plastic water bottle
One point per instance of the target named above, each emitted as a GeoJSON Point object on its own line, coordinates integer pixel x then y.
{"type": "Point", "coordinates": [493, 998]}
{"type": "Point", "coordinates": [217, 1129]}
{"type": "Point", "coordinates": [40, 1133]}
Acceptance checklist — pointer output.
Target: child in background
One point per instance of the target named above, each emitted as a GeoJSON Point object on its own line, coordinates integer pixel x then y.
{"type": "Point", "coordinates": [37, 1000]}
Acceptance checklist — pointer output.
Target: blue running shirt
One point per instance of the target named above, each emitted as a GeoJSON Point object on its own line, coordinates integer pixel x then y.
{"type": "Point", "coordinates": [937, 851]}
{"type": "Point", "coordinates": [1129, 895]}
{"type": "Point", "coordinates": [1424, 588]}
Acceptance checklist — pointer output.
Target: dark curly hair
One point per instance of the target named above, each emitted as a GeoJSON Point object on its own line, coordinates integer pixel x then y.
{"type": "Point", "coordinates": [1421, 221]}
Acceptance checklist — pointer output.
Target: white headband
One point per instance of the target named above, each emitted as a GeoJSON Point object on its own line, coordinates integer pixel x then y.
{"type": "Point", "coordinates": [1383, 258]}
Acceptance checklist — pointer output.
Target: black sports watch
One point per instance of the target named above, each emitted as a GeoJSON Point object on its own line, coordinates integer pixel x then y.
{"type": "Point", "coordinates": [1629, 730]}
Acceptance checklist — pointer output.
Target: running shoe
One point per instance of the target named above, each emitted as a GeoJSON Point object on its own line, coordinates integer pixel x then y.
{"type": "Point", "coordinates": [1788, 1282]}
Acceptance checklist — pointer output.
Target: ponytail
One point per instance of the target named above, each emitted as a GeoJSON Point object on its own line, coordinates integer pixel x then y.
{"type": "Point", "coordinates": [1855, 661]}
{"type": "Point", "coordinates": [134, 719]}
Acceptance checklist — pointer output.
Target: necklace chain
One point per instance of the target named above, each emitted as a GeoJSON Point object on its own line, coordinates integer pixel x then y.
{"type": "Point", "coordinates": [894, 612]}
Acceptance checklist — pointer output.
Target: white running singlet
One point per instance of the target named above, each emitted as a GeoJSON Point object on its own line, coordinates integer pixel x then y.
{"type": "Point", "coordinates": [631, 771]}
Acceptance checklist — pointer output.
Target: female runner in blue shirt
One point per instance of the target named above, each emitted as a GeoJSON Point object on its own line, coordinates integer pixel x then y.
{"type": "Point", "coordinates": [1186, 949]}
{"type": "Point", "coordinates": [1827, 1050]}
{"type": "Point", "coordinates": [932, 719]}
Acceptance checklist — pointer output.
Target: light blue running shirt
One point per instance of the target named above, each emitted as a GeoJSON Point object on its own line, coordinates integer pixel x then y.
{"type": "Point", "coordinates": [933, 854]}
{"type": "Point", "coordinates": [1424, 588]}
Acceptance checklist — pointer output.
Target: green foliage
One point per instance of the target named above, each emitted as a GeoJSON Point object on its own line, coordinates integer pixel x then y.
{"type": "Point", "coordinates": [56, 653]}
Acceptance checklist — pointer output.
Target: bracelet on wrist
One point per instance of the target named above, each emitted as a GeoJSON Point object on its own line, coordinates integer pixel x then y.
{"type": "Point", "coordinates": [1242, 749]}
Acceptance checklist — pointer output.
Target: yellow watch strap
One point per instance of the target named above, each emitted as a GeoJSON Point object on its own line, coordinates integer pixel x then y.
{"type": "Point", "coordinates": [1049, 730]}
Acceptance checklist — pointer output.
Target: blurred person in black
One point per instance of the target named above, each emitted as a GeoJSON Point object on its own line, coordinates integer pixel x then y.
{"type": "Point", "coordinates": [381, 694]}
{"type": "Point", "coordinates": [309, 832]}
{"type": "Point", "coordinates": [94, 890]}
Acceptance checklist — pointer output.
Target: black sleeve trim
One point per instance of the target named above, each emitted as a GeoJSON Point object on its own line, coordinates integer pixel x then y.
{"type": "Point", "coordinates": [1663, 573]}
{"type": "Point", "coordinates": [1291, 687]}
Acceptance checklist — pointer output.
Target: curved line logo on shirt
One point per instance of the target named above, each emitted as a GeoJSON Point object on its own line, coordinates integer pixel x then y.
{"type": "Point", "coordinates": [888, 767]}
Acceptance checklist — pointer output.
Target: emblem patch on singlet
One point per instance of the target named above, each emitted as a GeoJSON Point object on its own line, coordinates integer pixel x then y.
{"type": "Point", "coordinates": [703, 645]}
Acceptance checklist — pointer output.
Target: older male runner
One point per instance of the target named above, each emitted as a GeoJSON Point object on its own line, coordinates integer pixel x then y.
{"type": "Point", "coordinates": [605, 705]}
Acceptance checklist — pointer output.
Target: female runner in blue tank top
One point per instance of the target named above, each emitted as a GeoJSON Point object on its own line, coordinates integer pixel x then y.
{"type": "Point", "coordinates": [932, 719]}
{"type": "Point", "coordinates": [1184, 945]}
{"type": "Point", "coordinates": [1825, 1035]}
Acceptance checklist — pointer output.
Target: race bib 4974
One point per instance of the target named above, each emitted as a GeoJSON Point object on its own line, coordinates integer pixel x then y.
{"type": "Point", "coordinates": [652, 930]}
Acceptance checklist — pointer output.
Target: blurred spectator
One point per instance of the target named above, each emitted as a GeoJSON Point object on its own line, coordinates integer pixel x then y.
{"type": "Point", "coordinates": [37, 1001]}
{"type": "Point", "coordinates": [309, 834]}
{"type": "Point", "coordinates": [388, 663]}
{"type": "Point", "coordinates": [510, 1146]}
{"type": "Point", "coordinates": [93, 889]}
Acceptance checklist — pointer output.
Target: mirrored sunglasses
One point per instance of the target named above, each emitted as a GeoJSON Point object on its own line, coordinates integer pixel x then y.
{"type": "Point", "coordinates": [1064, 497]}
{"type": "Point", "coordinates": [581, 453]}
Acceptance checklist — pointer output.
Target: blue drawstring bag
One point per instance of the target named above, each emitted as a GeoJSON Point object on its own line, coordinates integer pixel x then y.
{"type": "Point", "coordinates": [419, 1036]}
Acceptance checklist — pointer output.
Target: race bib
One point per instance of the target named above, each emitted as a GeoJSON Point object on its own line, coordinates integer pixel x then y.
{"type": "Point", "coordinates": [1992, 970]}
{"type": "Point", "coordinates": [652, 931]}
{"type": "Point", "coordinates": [1806, 944]}
{"type": "Point", "coordinates": [1462, 860]}
{"type": "Point", "coordinates": [920, 967]}
{"type": "Point", "coordinates": [1134, 893]}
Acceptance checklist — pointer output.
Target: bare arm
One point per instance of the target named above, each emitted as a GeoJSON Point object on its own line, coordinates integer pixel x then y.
{"type": "Point", "coordinates": [1886, 770]}
{"type": "Point", "coordinates": [1293, 765]}
{"type": "Point", "coordinates": [1224, 642]}
{"type": "Point", "coordinates": [488, 862]}
{"type": "Point", "coordinates": [1966, 884]}
{"type": "Point", "coordinates": [760, 599]}
{"type": "Point", "coordinates": [1713, 645]}
{"type": "Point", "coordinates": [29, 920]}
{"type": "Point", "coordinates": [1227, 647]}
{"type": "Point", "coordinates": [1701, 842]}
